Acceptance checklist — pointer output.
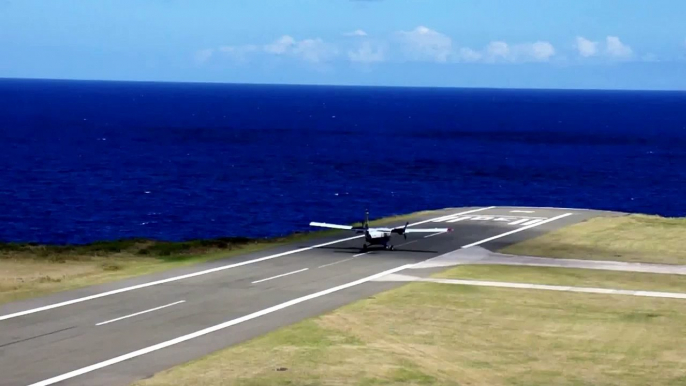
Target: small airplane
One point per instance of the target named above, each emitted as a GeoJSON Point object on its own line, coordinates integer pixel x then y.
{"type": "Point", "coordinates": [378, 236]}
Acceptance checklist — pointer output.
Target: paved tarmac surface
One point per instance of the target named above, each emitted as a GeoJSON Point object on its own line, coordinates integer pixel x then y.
{"type": "Point", "coordinates": [117, 333]}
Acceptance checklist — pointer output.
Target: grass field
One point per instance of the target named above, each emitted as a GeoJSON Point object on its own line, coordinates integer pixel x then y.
{"type": "Point", "coordinates": [426, 333]}
{"type": "Point", "coordinates": [438, 334]}
{"type": "Point", "coordinates": [634, 238]}
{"type": "Point", "coordinates": [568, 277]}
{"type": "Point", "coordinates": [29, 270]}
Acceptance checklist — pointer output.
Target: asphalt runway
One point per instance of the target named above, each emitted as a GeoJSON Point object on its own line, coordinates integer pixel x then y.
{"type": "Point", "coordinates": [117, 333]}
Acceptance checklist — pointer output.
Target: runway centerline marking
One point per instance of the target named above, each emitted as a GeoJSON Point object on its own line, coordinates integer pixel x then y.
{"type": "Point", "coordinates": [278, 276]}
{"type": "Point", "coordinates": [214, 328]}
{"type": "Point", "coordinates": [517, 230]}
{"type": "Point", "coordinates": [337, 262]}
{"type": "Point", "coordinates": [204, 272]}
{"type": "Point", "coordinates": [140, 313]}
{"type": "Point", "coordinates": [434, 234]}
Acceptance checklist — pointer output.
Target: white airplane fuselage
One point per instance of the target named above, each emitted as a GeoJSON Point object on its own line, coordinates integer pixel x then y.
{"type": "Point", "coordinates": [377, 238]}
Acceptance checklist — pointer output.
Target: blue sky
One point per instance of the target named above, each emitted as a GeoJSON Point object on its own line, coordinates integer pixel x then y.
{"type": "Point", "coordinates": [627, 44]}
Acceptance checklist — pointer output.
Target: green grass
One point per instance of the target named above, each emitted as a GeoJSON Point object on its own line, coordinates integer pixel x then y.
{"type": "Point", "coordinates": [634, 238]}
{"type": "Point", "coordinates": [568, 277]}
{"type": "Point", "coordinates": [437, 334]}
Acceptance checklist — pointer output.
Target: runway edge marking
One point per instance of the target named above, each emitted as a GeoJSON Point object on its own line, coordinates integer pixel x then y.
{"type": "Point", "coordinates": [217, 327]}
{"type": "Point", "coordinates": [199, 273]}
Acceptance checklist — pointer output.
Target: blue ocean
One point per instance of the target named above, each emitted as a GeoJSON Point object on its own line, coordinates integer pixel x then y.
{"type": "Point", "coordinates": [82, 161]}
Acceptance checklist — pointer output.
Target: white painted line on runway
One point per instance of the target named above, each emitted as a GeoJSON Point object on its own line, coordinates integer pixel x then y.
{"type": "Point", "coordinates": [140, 313]}
{"type": "Point", "coordinates": [451, 216]}
{"type": "Point", "coordinates": [278, 276]}
{"type": "Point", "coordinates": [434, 234]}
{"type": "Point", "coordinates": [360, 254]}
{"type": "Point", "coordinates": [532, 222]}
{"type": "Point", "coordinates": [522, 211]}
{"type": "Point", "coordinates": [340, 261]}
{"type": "Point", "coordinates": [199, 273]}
{"type": "Point", "coordinates": [519, 221]}
{"type": "Point", "coordinates": [208, 330]}
{"type": "Point", "coordinates": [517, 230]}
{"type": "Point", "coordinates": [655, 294]}
{"type": "Point", "coordinates": [458, 219]}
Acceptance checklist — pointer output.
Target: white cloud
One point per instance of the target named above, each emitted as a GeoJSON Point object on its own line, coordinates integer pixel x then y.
{"type": "Point", "coordinates": [280, 46]}
{"type": "Point", "coordinates": [314, 50]}
{"type": "Point", "coordinates": [357, 32]}
{"type": "Point", "coordinates": [367, 53]}
{"type": "Point", "coordinates": [541, 51]}
{"type": "Point", "coordinates": [239, 53]}
{"type": "Point", "coordinates": [500, 51]}
{"type": "Point", "coordinates": [423, 43]}
{"type": "Point", "coordinates": [202, 56]}
{"type": "Point", "coordinates": [469, 55]}
{"type": "Point", "coordinates": [615, 48]}
{"type": "Point", "coordinates": [586, 47]}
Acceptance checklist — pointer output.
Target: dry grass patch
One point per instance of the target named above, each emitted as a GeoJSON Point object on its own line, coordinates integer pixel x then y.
{"type": "Point", "coordinates": [568, 277]}
{"type": "Point", "coordinates": [426, 334]}
{"type": "Point", "coordinates": [33, 270]}
{"type": "Point", "coordinates": [634, 238]}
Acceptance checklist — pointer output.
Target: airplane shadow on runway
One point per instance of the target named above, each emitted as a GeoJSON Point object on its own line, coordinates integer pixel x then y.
{"type": "Point", "coordinates": [356, 250]}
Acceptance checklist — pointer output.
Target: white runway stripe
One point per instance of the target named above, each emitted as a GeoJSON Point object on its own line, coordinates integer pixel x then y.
{"type": "Point", "coordinates": [532, 222]}
{"type": "Point", "coordinates": [282, 275]}
{"type": "Point", "coordinates": [204, 272]}
{"type": "Point", "coordinates": [338, 262]}
{"type": "Point", "coordinates": [609, 291]}
{"type": "Point", "coordinates": [140, 313]}
{"type": "Point", "coordinates": [517, 230]}
{"type": "Point", "coordinates": [458, 219]}
{"type": "Point", "coordinates": [517, 222]}
{"type": "Point", "coordinates": [209, 330]}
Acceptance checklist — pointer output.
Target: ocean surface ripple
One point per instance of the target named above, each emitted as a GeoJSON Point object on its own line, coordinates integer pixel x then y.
{"type": "Point", "coordinates": [86, 161]}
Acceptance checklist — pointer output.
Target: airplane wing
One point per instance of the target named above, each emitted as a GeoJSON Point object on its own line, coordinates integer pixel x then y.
{"type": "Point", "coordinates": [334, 226]}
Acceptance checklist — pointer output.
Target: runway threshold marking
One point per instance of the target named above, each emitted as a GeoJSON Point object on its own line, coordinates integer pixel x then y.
{"type": "Point", "coordinates": [214, 328]}
{"type": "Point", "coordinates": [278, 276]}
{"type": "Point", "coordinates": [140, 313]}
{"type": "Point", "coordinates": [517, 230]}
{"type": "Point", "coordinates": [204, 272]}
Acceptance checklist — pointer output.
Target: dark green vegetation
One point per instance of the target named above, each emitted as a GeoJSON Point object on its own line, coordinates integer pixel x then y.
{"type": "Point", "coordinates": [139, 247]}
